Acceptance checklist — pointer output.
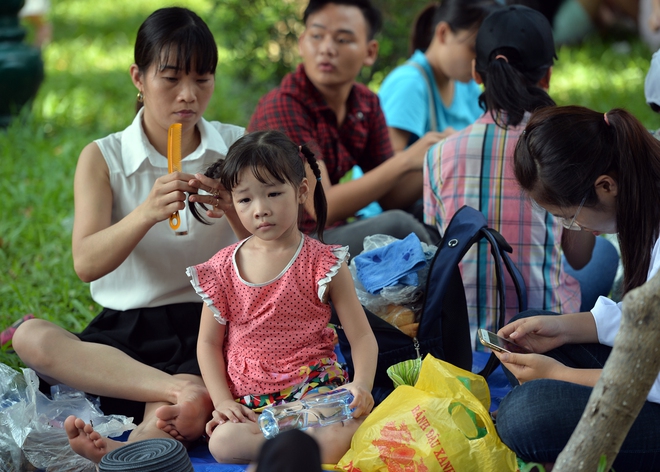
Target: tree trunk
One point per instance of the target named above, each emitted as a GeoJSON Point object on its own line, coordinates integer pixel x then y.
{"type": "Point", "coordinates": [619, 395]}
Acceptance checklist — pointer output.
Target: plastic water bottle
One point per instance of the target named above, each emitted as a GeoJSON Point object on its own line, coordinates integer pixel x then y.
{"type": "Point", "coordinates": [319, 409]}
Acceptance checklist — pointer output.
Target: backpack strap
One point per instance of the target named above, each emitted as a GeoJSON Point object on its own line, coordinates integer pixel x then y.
{"type": "Point", "coordinates": [432, 113]}
{"type": "Point", "coordinates": [463, 231]}
{"type": "Point", "coordinates": [467, 227]}
{"type": "Point", "coordinates": [499, 244]}
{"type": "Point", "coordinates": [496, 251]}
{"type": "Point", "coordinates": [518, 281]}
{"type": "Point", "coordinates": [499, 249]}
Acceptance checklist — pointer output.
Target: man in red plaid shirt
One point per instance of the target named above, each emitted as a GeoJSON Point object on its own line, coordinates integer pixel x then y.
{"type": "Point", "coordinates": [322, 105]}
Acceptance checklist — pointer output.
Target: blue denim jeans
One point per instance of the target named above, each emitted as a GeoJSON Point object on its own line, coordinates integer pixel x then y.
{"type": "Point", "coordinates": [537, 418]}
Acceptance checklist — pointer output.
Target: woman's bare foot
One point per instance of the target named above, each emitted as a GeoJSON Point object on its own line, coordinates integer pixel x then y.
{"type": "Point", "coordinates": [186, 419]}
{"type": "Point", "coordinates": [86, 442]}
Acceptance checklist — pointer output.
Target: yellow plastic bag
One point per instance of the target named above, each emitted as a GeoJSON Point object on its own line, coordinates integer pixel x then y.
{"type": "Point", "coordinates": [440, 424]}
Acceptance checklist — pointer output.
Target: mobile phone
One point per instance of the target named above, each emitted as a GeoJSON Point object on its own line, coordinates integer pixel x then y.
{"type": "Point", "coordinates": [499, 344]}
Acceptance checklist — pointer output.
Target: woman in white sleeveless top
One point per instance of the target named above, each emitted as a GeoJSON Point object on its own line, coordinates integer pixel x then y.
{"type": "Point", "coordinates": [139, 353]}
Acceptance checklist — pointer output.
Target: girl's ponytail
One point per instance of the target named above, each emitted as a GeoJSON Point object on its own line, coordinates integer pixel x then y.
{"type": "Point", "coordinates": [214, 172]}
{"type": "Point", "coordinates": [320, 203]}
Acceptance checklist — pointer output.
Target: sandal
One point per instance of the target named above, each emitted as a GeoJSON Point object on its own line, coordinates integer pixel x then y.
{"type": "Point", "coordinates": [8, 334]}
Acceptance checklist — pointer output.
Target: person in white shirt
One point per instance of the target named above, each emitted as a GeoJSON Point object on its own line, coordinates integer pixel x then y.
{"type": "Point", "coordinates": [598, 173]}
{"type": "Point", "coordinates": [139, 353]}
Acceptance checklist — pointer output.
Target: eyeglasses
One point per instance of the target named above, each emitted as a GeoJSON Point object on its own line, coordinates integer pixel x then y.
{"type": "Point", "coordinates": [572, 225]}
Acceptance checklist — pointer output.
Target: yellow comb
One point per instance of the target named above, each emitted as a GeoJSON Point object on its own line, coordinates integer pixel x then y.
{"type": "Point", "coordinates": [174, 163]}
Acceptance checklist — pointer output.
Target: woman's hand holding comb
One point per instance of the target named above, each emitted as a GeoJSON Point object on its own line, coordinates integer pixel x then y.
{"type": "Point", "coordinates": [167, 196]}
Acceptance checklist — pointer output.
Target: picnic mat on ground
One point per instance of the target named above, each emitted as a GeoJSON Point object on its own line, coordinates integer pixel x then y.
{"type": "Point", "coordinates": [202, 460]}
{"type": "Point", "coordinates": [498, 384]}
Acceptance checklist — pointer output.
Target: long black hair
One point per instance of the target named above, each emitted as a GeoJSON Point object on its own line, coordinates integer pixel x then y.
{"type": "Point", "coordinates": [458, 14]}
{"type": "Point", "coordinates": [180, 31]}
{"type": "Point", "coordinates": [562, 152]}
{"type": "Point", "coordinates": [514, 52]}
{"type": "Point", "coordinates": [269, 154]}
{"type": "Point", "coordinates": [510, 88]}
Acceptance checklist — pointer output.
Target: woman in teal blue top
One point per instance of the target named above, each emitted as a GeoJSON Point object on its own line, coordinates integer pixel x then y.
{"type": "Point", "coordinates": [434, 90]}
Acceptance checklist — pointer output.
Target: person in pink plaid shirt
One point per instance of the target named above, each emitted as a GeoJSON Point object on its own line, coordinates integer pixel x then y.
{"type": "Point", "coordinates": [474, 167]}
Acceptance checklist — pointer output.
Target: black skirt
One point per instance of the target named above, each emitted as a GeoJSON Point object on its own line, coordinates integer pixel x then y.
{"type": "Point", "coordinates": [162, 337]}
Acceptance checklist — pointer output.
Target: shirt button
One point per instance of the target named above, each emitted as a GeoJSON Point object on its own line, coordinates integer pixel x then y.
{"type": "Point", "coordinates": [359, 115]}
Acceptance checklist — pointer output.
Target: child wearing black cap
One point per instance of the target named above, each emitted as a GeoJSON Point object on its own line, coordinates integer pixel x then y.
{"type": "Point", "coordinates": [514, 57]}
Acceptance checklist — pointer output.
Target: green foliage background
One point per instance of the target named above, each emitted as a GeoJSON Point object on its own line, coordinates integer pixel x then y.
{"type": "Point", "coordinates": [88, 94]}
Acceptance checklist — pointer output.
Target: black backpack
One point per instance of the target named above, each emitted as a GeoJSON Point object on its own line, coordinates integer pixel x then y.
{"type": "Point", "coordinates": [444, 328]}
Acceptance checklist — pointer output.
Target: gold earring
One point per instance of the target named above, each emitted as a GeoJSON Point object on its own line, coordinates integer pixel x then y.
{"type": "Point", "coordinates": [140, 96]}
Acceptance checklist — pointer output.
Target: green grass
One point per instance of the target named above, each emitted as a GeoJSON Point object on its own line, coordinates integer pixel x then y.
{"type": "Point", "coordinates": [87, 94]}
{"type": "Point", "coordinates": [603, 75]}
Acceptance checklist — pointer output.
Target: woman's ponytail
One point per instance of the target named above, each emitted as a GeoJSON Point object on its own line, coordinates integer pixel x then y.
{"type": "Point", "coordinates": [458, 14]}
{"type": "Point", "coordinates": [637, 171]}
{"type": "Point", "coordinates": [510, 90]}
{"type": "Point", "coordinates": [423, 29]}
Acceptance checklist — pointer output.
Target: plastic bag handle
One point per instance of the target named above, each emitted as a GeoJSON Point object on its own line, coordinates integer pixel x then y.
{"type": "Point", "coordinates": [465, 420]}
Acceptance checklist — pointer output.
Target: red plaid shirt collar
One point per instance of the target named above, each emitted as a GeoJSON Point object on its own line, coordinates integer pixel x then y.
{"type": "Point", "coordinates": [361, 140]}
{"type": "Point", "coordinates": [362, 106]}
{"type": "Point", "coordinates": [299, 86]}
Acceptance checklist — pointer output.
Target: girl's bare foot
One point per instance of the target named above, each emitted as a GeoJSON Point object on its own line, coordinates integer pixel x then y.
{"type": "Point", "coordinates": [186, 419]}
{"type": "Point", "coordinates": [86, 442]}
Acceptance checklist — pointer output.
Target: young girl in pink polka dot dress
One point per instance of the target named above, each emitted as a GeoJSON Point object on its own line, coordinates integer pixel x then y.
{"type": "Point", "coordinates": [264, 335]}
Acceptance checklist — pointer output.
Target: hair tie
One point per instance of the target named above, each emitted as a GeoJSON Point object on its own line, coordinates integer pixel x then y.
{"type": "Point", "coordinates": [318, 179]}
{"type": "Point", "coordinates": [606, 119]}
{"type": "Point", "coordinates": [500, 56]}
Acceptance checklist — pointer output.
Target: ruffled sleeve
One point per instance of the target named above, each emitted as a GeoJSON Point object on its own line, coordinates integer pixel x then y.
{"type": "Point", "coordinates": [206, 279]}
{"type": "Point", "coordinates": [334, 258]}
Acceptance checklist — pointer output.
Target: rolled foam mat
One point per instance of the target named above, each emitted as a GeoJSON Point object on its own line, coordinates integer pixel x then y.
{"type": "Point", "coordinates": [150, 455]}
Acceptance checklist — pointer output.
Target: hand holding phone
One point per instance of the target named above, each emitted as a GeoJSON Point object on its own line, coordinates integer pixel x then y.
{"type": "Point", "coordinates": [496, 343]}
